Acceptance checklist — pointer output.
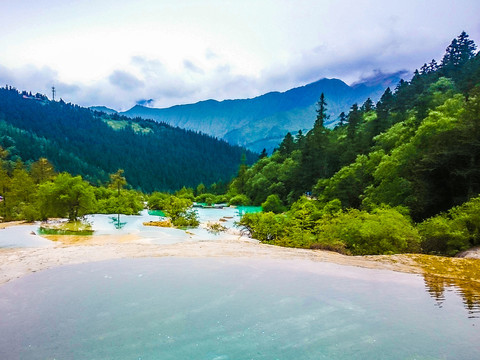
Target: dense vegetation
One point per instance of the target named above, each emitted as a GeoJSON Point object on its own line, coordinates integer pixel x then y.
{"type": "Point", "coordinates": [409, 158]}
{"type": "Point", "coordinates": [401, 175]}
{"type": "Point", "coordinates": [37, 192]}
{"type": "Point", "coordinates": [155, 156]}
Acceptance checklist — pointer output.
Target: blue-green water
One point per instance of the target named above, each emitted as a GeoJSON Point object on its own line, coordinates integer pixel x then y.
{"type": "Point", "coordinates": [133, 224]}
{"type": "Point", "coordinates": [174, 308]}
{"type": "Point", "coordinates": [101, 224]}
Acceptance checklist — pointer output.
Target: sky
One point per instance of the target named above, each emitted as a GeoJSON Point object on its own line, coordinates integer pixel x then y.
{"type": "Point", "coordinates": [160, 53]}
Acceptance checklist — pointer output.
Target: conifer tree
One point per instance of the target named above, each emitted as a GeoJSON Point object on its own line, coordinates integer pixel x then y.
{"type": "Point", "coordinates": [460, 50]}
{"type": "Point", "coordinates": [287, 144]}
{"type": "Point", "coordinates": [354, 118]}
{"type": "Point", "coordinates": [367, 105]}
{"type": "Point", "coordinates": [342, 119]}
{"type": "Point", "coordinates": [321, 113]}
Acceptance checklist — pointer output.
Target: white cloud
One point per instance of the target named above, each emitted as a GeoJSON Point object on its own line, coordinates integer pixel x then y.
{"type": "Point", "coordinates": [125, 81]}
{"type": "Point", "coordinates": [120, 52]}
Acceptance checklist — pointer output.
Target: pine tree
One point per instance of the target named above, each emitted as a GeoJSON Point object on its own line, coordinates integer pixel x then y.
{"type": "Point", "coordinates": [287, 145]}
{"type": "Point", "coordinates": [321, 113]}
{"type": "Point", "coordinates": [367, 105]}
{"type": "Point", "coordinates": [354, 118]}
{"type": "Point", "coordinates": [342, 119]}
{"type": "Point", "coordinates": [460, 50]}
{"type": "Point", "coordinates": [263, 154]}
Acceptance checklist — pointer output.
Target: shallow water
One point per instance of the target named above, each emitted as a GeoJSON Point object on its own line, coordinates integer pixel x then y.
{"type": "Point", "coordinates": [174, 308]}
{"type": "Point", "coordinates": [133, 224]}
{"type": "Point", "coordinates": [21, 236]}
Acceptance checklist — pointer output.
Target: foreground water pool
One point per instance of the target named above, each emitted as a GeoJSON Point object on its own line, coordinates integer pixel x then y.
{"type": "Point", "coordinates": [227, 308]}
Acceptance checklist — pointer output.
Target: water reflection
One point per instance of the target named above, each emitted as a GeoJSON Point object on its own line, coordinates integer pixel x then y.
{"type": "Point", "coordinates": [117, 223]}
{"type": "Point", "coordinates": [469, 291]}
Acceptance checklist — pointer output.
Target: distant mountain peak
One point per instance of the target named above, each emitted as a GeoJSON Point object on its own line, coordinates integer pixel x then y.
{"type": "Point", "coordinates": [262, 121]}
{"type": "Point", "coordinates": [104, 109]}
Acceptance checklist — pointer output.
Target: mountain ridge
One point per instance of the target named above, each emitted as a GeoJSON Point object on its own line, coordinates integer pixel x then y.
{"type": "Point", "coordinates": [155, 156]}
{"type": "Point", "coordinates": [262, 121]}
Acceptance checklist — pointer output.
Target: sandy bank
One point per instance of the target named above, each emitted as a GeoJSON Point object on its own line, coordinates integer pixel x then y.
{"type": "Point", "coordinates": [12, 223]}
{"type": "Point", "coordinates": [17, 262]}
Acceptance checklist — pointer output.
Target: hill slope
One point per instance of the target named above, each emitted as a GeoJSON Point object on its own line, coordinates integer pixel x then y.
{"type": "Point", "coordinates": [155, 156]}
{"type": "Point", "coordinates": [263, 121]}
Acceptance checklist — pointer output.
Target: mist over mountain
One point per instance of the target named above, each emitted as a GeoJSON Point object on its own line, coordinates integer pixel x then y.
{"type": "Point", "coordinates": [263, 121]}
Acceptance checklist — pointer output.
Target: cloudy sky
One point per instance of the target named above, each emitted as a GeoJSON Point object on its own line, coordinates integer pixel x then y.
{"type": "Point", "coordinates": [120, 52]}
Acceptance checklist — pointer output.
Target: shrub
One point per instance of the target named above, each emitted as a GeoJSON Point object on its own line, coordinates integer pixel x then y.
{"type": "Point", "coordinates": [384, 231]}
{"type": "Point", "coordinates": [442, 236]}
{"type": "Point", "coordinates": [240, 200]}
{"type": "Point", "coordinates": [264, 226]}
{"type": "Point", "coordinates": [158, 201]}
{"type": "Point", "coordinates": [452, 232]}
{"type": "Point", "coordinates": [273, 204]}
{"type": "Point", "coordinates": [211, 199]}
{"type": "Point", "coordinates": [180, 213]}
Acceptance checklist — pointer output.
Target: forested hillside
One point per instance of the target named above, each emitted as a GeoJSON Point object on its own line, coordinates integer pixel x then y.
{"type": "Point", "coordinates": [155, 156]}
{"type": "Point", "coordinates": [412, 155]}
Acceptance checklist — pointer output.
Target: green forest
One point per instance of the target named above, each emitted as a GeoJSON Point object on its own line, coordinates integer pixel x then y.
{"type": "Point", "coordinates": [155, 156]}
{"type": "Point", "coordinates": [401, 175]}
{"type": "Point", "coordinates": [38, 192]}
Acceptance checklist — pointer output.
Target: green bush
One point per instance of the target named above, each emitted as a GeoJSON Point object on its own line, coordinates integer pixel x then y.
{"type": "Point", "coordinates": [178, 209]}
{"type": "Point", "coordinates": [442, 236]}
{"type": "Point", "coordinates": [158, 201]}
{"type": "Point", "coordinates": [211, 199]}
{"type": "Point", "coordinates": [264, 226]}
{"type": "Point", "coordinates": [185, 193]}
{"type": "Point", "coordinates": [452, 232]}
{"type": "Point", "coordinates": [239, 200]}
{"type": "Point", "coordinates": [273, 204]}
{"type": "Point", "coordinates": [30, 213]}
{"type": "Point", "coordinates": [129, 203]}
{"type": "Point", "coordinates": [383, 231]}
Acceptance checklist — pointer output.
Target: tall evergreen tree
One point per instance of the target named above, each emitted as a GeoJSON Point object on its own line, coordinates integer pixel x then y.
{"type": "Point", "coordinates": [287, 145]}
{"type": "Point", "coordinates": [367, 105]}
{"type": "Point", "coordinates": [460, 50]}
{"type": "Point", "coordinates": [342, 119]}
{"type": "Point", "coordinates": [354, 119]}
{"type": "Point", "coordinates": [321, 113]}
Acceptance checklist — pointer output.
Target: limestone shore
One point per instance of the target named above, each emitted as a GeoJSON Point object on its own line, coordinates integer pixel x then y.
{"type": "Point", "coordinates": [18, 262]}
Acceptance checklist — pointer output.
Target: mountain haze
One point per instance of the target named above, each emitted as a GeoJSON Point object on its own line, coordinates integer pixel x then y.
{"type": "Point", "coordinates": [263, 121]}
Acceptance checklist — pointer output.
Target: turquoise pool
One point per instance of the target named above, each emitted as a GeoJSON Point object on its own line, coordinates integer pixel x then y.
{"type": "Point", "coordinates": [228, 308]}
